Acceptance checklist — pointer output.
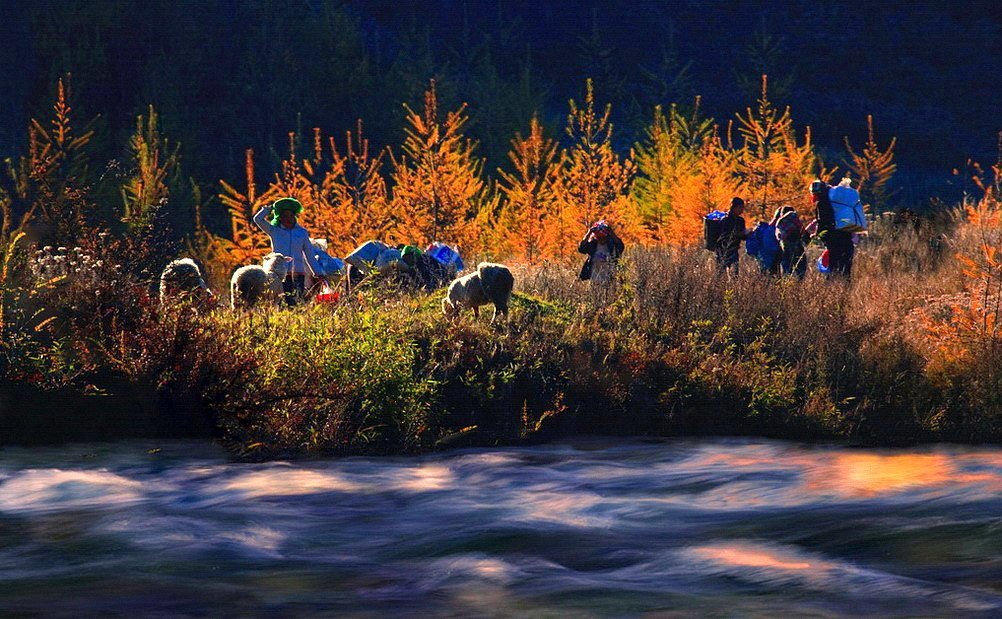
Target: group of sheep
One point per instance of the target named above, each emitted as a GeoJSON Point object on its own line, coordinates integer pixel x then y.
{"type": "Point", "coordinates": [490, 283]}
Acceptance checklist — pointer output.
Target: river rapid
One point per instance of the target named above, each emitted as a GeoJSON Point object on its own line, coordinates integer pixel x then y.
{"type": "Point", "coordinates": [589, 527]}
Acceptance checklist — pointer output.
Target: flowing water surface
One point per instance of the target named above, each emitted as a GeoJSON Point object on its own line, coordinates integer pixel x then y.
{"type": "Point", "coordinates": [581, 528]}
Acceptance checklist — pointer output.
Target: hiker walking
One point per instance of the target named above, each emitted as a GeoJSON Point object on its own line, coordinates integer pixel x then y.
{"type": "Point", "coordinates": [790, 234]}
{"type": "Point", "coordinates": [838, 242]}
{"type": "Point", "coordinates": [604, 249]}
{"type": "Point", "coordinates": [278, 220]}
{"type": "Point", "coordinates": [732, 232]}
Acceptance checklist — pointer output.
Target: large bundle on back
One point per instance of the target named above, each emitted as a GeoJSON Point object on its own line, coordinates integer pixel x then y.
{"type": "Point", "coordinates": [848, 208]}
{"type": "Point", "coordinates": [331, 268]}
{"type": "Point", "coordinates": [713, 225]}
{"type": "Point", "coordinates": [448, 256]}
{"type": "Point", "coordinates": [365, 256]}
{"type": "Point", "coordinates": [762, 245]}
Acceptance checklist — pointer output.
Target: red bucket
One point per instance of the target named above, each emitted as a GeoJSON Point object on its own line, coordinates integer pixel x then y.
{"type": "Point", "coordinates": [327, 296]}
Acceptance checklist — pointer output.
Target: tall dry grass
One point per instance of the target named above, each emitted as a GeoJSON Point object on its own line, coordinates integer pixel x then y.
{"type": "Point", "coordinates": [671, 347]}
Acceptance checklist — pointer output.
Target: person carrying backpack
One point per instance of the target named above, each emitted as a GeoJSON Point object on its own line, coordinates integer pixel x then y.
{"type": "Point", "coordinates": [838, 242]}
{"type": "Point", "coordinates": [790, 234]}
{"type": "Point", "coordinates": [732, 232]}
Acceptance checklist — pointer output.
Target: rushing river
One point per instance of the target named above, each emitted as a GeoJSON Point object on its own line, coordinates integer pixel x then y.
{"type": "Point", "coordinates": [582, 528]}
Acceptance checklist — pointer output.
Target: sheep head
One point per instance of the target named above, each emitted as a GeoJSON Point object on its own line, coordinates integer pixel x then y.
{"type": "Point", "coordinates": [276, 265]}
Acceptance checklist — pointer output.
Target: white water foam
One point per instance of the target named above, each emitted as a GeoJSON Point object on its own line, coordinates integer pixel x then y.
{"type": "Point", "coordinates": [42, 490]}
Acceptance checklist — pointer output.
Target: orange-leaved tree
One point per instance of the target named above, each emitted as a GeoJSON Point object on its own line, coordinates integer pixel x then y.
{"type": "Point", "coordinates": [49, 187]}
{"type": "Point", "coordinates": [710, 187]}
{"type": "Point", "coordinates": [439, 193]}
{"type": "Point", "coordinates": [773, 167]}
{"type": "Point", "coordinates": [524, 227]}
{"type": "Point", "coordinates": [668, 159]}
{"type": "Point", "coordinates": [362, 191]}
{"type": "Point", "coordinates": [245, 243]}
{"type": "Point", "coordinates": [873, 167]}
{"type": "Point", "coordinates": [973, 319]}
{"type": "Point", "coordinates": [344, 198]}
{"type": "Point", "coordinates": [594, 181]}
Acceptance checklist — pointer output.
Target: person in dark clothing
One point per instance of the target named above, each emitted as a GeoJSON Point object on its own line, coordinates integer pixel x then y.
{"type": "Point", "coordinates": [790, 234]}
{"type": "Point", "coordinates": [837, 242]}
{"type": "Point", "coordinates": [604, 249]}
{"type": "Point", "coordinates": [732, 232]}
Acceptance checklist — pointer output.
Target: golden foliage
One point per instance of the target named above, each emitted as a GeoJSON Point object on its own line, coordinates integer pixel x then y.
{"type": "Point", "coordinates": [438, 191]}
{"type": "Point", "coordinates": [344, 199]}
{"type": "Point", "coordinates": [146, 190]}
{"type": "Point", "coordinates": [681, 170]}
{"type": "Point", "coordinates": [874, 167]}
{"type": "Point", "coordinates": [675, 162]}
{"type": "Point", "coordinates": [524, 222]}
{"type": "Point", "coordinates": [773, 167]}
{"type": "Point", "coordinates": [594, 181]}
{"type": "Point", "coordinates": [970, 321]}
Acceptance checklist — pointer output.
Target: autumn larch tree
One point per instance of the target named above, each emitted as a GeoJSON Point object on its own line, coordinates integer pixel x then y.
{"type": "Point", "coordinates": [594, 181]}
{"type": "Point", "coordinates": [524, 229]}
{"type": "Point", "coordinates": [438, 191]}
{"type": "Point", "coordinates": [873, 167]}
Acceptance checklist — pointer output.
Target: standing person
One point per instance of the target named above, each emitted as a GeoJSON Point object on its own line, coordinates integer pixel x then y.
{"type": "Point", "coordinates": [278, 220]}
{"type": "Point", "coordinates": [838, 242]}
{"type": "Point", "coordinates": [604, 249]}
{"type": "Point", "coordinates": [732, 232]}
{"type": "Point", "coordinates": [790, 234]}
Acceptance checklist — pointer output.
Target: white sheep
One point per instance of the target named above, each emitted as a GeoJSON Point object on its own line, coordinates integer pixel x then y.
{"type": "Point", "coordinates": [182, 278]}
{"type": "Point", "coordinates": [249, 283]}
{"type": "Point", "coordinates": [490, 283]}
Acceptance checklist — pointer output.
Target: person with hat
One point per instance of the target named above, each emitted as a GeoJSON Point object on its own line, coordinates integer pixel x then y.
{"type": "Point", "coordinates": [604, 249]}
{"type": "Point", "coordinates": [278, 221]}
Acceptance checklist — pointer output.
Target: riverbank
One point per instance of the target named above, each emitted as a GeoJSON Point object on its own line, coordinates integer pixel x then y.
{"type": "Point", "coordinates": [674, 348]}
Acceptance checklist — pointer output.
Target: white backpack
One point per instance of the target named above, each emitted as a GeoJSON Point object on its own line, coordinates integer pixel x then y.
{"type": "Point", "coordinates": [848, 209]}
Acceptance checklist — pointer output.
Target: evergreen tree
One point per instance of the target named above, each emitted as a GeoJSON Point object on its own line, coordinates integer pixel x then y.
{"type": "Point", "coordinates": [146, 191]}
{"type": "Point", "coordinates": [594, 180]}
{"type": "Point", "coordinates": [525, 228]}
{"type": "Point", "coordinates": [873, 167]}
{"type": "Point", "coordinates": [774, 169]}
{"type": "Point", "coordinates": [438, 191]}
{"type": "Point", "coordinates": [668, 157]}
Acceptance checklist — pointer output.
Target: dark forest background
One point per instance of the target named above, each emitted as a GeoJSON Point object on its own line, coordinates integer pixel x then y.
{"type": "Point", "coordinates": [227, 75]}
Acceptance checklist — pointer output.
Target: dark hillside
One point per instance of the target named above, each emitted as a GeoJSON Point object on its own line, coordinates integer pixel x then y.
{"type": "Point", "coordinates": [228, 75]}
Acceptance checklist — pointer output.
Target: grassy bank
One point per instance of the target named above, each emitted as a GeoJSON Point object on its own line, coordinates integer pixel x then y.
{"type": "Point", "coordinates": [673, 348]}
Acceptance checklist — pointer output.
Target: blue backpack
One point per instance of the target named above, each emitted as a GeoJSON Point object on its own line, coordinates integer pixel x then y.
{"type": "Point", "coordinates": [763, 245]}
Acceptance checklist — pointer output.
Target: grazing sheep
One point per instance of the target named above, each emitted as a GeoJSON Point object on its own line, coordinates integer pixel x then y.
{"type": "Point", "coordinates": [490, 283]}
{"type": "Point", "coordinates": [249, 283]}
{"type": "Point", "coordinates": [182, 279]}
